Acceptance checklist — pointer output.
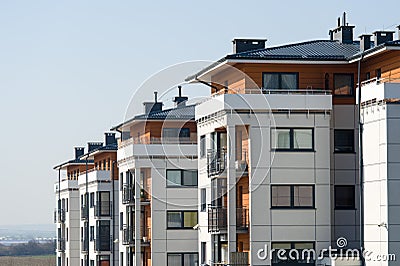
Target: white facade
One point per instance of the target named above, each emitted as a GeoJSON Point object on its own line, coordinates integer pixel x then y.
{"type": "Point", "coordinates": [261, 115]}
{"type": "Point", "coordinates": [99, 209]}
{"type": "Point", "coordinates": [381, 144]}
{"type": "Point", "coordinates": [67, 218]}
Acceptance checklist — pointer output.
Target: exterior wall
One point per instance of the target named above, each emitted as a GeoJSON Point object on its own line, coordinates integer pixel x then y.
{"type": "Point", "coordinates": [267, 167]}
{"type": "Point", "coordinates": [388, 62]}
{"type": "Point", "coordinates": [344, 171]}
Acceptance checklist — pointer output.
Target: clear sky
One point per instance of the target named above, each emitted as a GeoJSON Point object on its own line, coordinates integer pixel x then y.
{"type": "Point", "coordinates": [69, 68]}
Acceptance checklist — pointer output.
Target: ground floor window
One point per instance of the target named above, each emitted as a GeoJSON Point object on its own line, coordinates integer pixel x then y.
{"type": "Point", "coordinates": [296, 253]}
{"type": "Point", "coordinates": [182, 259]}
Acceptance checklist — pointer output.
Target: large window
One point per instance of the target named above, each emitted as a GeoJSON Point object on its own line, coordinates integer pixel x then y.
{"type": "Point", "coordinates": [344, 197]}
{"type": "Point", "coordinates": [103, 204]}
{"type": "Point", "coordinates": [182, 259]}
{"type": "Point", "coordinates": [103, 235]}
{"type": "Point", "coordinates": [290, 257]}
{"type": "Point", "coordinates": [178, 177]}
{"type": "Point", "coordinates": [176, 133]}
{"type": "Point", "coordinates": [181, 219]}
{"type": "Point", "coordinates": [343, 84]}
{"type": "Point", "coordinates": [344, 140]}
{"type": "Point", "coordinates": [283, 81]}
{"type": "Point", "coordinates": [292, 139]}
{"type": "Point", "coordinates": [292, 196]}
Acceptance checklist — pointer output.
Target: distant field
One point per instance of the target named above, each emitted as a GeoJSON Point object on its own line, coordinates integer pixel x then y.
{"type": "Point", "coordinates": [28, 261]}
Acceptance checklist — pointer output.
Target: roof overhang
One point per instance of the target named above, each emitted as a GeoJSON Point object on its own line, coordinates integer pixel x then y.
{"type": "Point", "coordinates": [367, 54]}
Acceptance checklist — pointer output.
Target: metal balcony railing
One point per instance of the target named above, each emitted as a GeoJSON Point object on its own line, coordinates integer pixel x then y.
{"type": "Point", "coordinates": [61, 245]}
{"type": "Point", "coordinates": [218, 218]}
{"type": "Point", "coordinates": [216, 162]}
{"type": "Point", "coordinates": [128, 237]}
{"type": "Point", "coordinates": [59, 216]}
{"type": "Point", "coordinates": [128, 194]}
{"type": "Point", "coordinates": [84, 212]}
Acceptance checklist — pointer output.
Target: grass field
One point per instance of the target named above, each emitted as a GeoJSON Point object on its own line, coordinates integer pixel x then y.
{"type": "Point", "coordinates": [28, 261]}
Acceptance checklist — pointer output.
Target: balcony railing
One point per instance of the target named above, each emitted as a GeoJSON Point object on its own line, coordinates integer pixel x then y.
{"type": "Point", "coordinates": [128, 194]}
{"type": "Point", "coordinates": [84, 212]}
{"type": "Point", "coordinates": [218, 219]}
{"type": "Point", "coordinates": [85, 245]}
{"type": "Point", "coordinates": [128, 237]}
{"type": "Point", "coordinates": [216, 162]}
{"type": "Point", "coordinates": [102, 209]}
{"type": "Point", "coordinates": [61, 245]}
{"type": "Point", "coordinates": [59, 216]}
{"type": "Point", "coordinates": [153, 140]}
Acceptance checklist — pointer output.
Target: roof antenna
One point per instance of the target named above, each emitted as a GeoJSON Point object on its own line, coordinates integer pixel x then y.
{"type": "Point", "coordinates": [338, 22]}
{"type": "Point", "coordinates": [180, 90]}
{"type": "Point", "coordinates": [344, 19]}
{"type": "Point", "coordinates": [155, 96]}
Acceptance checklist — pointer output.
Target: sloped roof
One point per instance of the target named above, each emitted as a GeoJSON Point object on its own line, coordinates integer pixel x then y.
{"type": "Point", "coordinates": [310, 50]}
{"type": "Point", "coordinates": [179, 113]}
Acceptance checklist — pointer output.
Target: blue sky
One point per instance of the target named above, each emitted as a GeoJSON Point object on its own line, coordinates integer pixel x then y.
{"type": "Point", "coordinates": [69, 68]}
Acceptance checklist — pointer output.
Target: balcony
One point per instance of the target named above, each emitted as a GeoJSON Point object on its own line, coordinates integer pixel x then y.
{"type": "Point", "coordinates": [85, 245]}
{"type": "Point", "coordinates": [254, 100]}
{"type": "Point", "coordinates": [128, 235]}
{"type": "Point", "coordinates": [216, 162]}
{"type": "Point", "coordinates": [218, 219]}
{"type": "Point", "coordinates": [61, 245]}
{"type": "Point", "coordinates": [379, 90]}
{"type": "Point", "coordinates": [94, 175]}
{"type": "Point", "coordinates": [59, 216]}
{"type": "Point", "coordinates": [128, 194]}
{"type": "Point", "coordinates": [84, 213]}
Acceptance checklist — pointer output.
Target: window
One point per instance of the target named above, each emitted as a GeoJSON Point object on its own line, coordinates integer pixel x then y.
{"type": "Point", "coordinates": [297, 258]}
{"type": "Point", "coordinates": [344, 197]}
{"type": "Point", "coordinates": [66, 205]}
{"type": "Point", "coordinates": [344, 140]}
{"type": "Point", "coordinates": [181, 219]}
{"type": "Point", "coordinates": [103, 203]}
{"type": "Point", "coordinates": [182, 259]}
{"type": "Point", "coordinates": [91, 262]}
{"type": "Point", "coordinates": [283, 81]}
{"type": "Point", "coordinates": [292, 139]}
{"type": "Point", "coordinates": [121, 221]}
{"type": "Point", "coordinates": [343, 84]}
{"type": "Point", "coordinates": [182, 178]}
{"type": "Point", "coordinates": [292, 196]}
{"type": "Point", "coordinates": [103, 260]}
{"type": "Point", "coordinates": [103, 235]}
{"type": "Point", "coordinates": [121, 258]}
{"type": "Point", "coordinates": [67, 234]}
{"type": "Point", "coordinates": [91, 200]}
{"type": "Point", "coordinates": [203, 252]}
{"type": "Point", "coordinates": [378, 73]}
{"type": "Point", "coordinates": [121, 181]}
{"type": "Point", "coordinates": [176, 133]}
{"type": "Point", "coordinates": [202, 146]}
{"type": "Point", "coordinates": [203, 197]}
{"type": "Point", "coordinates": [91, 237]}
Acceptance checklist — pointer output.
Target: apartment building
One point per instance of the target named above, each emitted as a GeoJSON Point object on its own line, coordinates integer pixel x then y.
{"type": "Point", "coordinates": [86, 216]}
{"type": "Point", "coordinates": [157, 159]}
{"type": "Point", "coordinates": [279, 149]}
{"type": "Point", "coordinates": [99, 194]}
{"type": "Point", "coordinates": [67, 211]}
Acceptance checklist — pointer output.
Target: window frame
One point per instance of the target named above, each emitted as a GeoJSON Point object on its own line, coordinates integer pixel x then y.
{"type": "Point", "coordinates": [174, 185]}
{"type": "Point", "coordinates": [203, 200]}
{"type": "Point", "coordinates": [292, 247]}
{"type": "Point", "coordinates": [353, 207]}
{"type": "Point", "coordinates": [203, 146]}
{"type": "Point", "coordinates": [182, 255]}
{"type": "Point", "coordinates": [280, 80]}
{"type": "Point", "coordinates": [291, 140]}
{"type": "Point", "coordinates": [334, 140]}
{"type": "Point", "coordinates": [292, 205]}
{"type": "Point", "coordinates": [182, 226]}
{"type": "Point", "coordinates": [352, 88]}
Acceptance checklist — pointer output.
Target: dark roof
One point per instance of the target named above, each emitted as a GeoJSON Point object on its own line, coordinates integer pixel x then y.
{"type": "Point", "coordinates": [310, 50]}
{"type": "Point", "coordinates": [180, 113]}
{"type": "Point", "coordinates": [73, 161]}
{"type": "Point", "coordinates": [395, 43]}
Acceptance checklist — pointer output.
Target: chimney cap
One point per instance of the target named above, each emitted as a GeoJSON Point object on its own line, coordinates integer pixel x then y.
{"type": "Point", "coordinates": [365, 35]}
{"type": "Point", "coordinates": [382, 31]}
{"type": "Point", "coordinates": [249, 40]}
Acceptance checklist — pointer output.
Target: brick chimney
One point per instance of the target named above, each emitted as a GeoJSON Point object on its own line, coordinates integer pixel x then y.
{"type": "Point", "coordinates": [343, 33]}
{"type": "Point", "coordinates": [245, 45]}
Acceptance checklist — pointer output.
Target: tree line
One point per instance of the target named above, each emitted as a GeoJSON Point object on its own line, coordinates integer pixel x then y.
{"type": "Point", "coordinates": [32, 248]}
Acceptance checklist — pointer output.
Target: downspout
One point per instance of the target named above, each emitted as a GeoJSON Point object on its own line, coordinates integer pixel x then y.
{"type": "Point", "coordinates": [361, 161]}
{"type": "Point", "coordinates": [87, 209]}
{"type": "Point", "coordinates": [113, 212]}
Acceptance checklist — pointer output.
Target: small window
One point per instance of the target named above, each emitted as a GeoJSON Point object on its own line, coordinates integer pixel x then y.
{"type": "Point", "coordinates": [92, 200]}
{"type": "Point", "coordinates": [121, 221]}
{"type": "Point", "coordinates": [91, 233]}
{"type": "Point", "coordinates": [203, 252]}
{"type": "Point", "coordinates": [292, 196]}
{"type": "Point", "coordinates": [344, 197]}
{"type": "Point", "coordinates": [203, 196]}
{"type": "Point", "coordinates": [343, 84]}
{"type": "Point", "coordinates": [181, 219]}
{"type": "Point", "coordinates": [292, 139]}
{"type": "Point", "coordinates": [344, 140]}
{"type": "Point", "coordinates": [280, 81]}
{"type": "Point", "coordinates": [178, 177]}
{"type": "Point", "coordinates": [202, 146]}
{"type": "Point", "coordinates": [378, 73]}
